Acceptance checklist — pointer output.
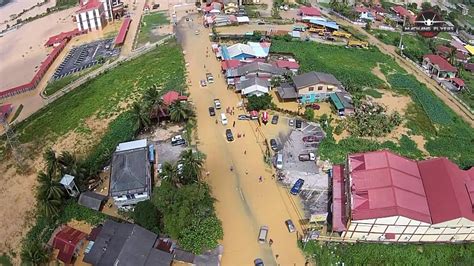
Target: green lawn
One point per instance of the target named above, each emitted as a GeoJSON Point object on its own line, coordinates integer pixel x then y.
{"type": "Point", "coordinates": [446, 133]}
{"type": "Point", "coordinates": [102, 95]}
{"type": "Point", "coordinates": [467, 96]}
{"type": "Point", "coordinates": [62, 4]}
{"type": "Point", "coordinates": [149, 23]}
{"type": "Point", "coordinates": [393, 254]}
{"type": "Point", "coordinates": [57, 85]}
{"type": "Point", "coordinates": [414, 46]}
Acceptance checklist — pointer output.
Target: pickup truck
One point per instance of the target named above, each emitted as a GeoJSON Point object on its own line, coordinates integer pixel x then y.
{"type": "Point", "coordinates": [307, 157]}
{"type": "Point", "coordinates": [217, 103]}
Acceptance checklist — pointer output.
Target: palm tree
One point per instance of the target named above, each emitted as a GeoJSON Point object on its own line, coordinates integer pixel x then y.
{"type": "Point", "coordinates": [140, 116]}
{"type": "Point", "coordinates": [193, 162]}
{"type": "Point", "coordinates": [452, 56]}
{"type": "Point", "coordinates": [49, 207]}
{"type": "Point", "coordinates": [152, 96]}
{"type": "Point", "coordinates": [34, 254]}
{"type": "Point", "coordinates": [48, 187]}
{"type": "Point", "coordinates": [52, 164]}
{"type": "Point", "coordinates": [170, 172]}
{"type": "Point", "coordinates": [180, 111]}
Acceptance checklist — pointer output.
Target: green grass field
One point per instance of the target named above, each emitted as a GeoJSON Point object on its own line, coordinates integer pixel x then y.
{"type": "Point", "coordinates": [446, 133]}
{"type": "Point", "coordinates": [57, 85]}
{"type": "Point", "coordinates": [149, 23]}
{"type": "Point", "coordinates": [102, 95]}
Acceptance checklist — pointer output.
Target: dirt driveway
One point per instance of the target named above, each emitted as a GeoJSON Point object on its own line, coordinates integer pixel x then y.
{"type": "Point", "coordinates": [243, 203]}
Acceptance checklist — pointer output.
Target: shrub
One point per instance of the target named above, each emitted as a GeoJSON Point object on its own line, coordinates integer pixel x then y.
{"type": "Point", "coordinates": [339, 128]}
{"type": "Point", "coordinates": [146, 215]}
{"type": "Point", "coordinates": [309, 114]}
{"type": "Point", "coordinates": [258, 103]}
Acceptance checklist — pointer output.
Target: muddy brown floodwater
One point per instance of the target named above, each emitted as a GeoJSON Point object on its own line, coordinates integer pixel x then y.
{"type": "Point", "coordinates": [243, 203]}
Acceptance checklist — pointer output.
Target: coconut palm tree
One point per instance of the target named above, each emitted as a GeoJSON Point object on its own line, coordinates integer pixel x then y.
{"type": "Point", "coordinates": [180, 111]}
{"type": "Point", "coordinates": [48, 187]}
{"type": "Point", "coordinates": [141, 116]}
{"type": "Point", "coordinates": [170, 172]}
{"type": "Point", "coordinates": [52, 164]}
{"type": "Point", "coordinates": [152, 96]}
{"type": "Point", "coordinates": [193, 162]}
{"type": "Point", "coordinates": [49, 207]}
{"type": "Point", "coordinates": [34, 254]}
{"type": "Point", "coordinates": [452, 56]}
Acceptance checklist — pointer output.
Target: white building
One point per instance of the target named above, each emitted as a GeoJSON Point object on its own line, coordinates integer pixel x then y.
{"type": "Point", "coordinates": [381, 196]}
{"type": "Point", "coordinates": [94, 14]}
{"type": "Point", "coordinates": [130, 174]}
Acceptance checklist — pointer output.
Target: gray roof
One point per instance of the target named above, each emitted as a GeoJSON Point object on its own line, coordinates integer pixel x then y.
{"type": "Point", "coordinates": [255, 67]}
{"type": "Point", "coordinates": [159, 258]}
{"type": "Point", "coordinates": [287, 91]}
{"type": "Point", "coordinates": [124, 244]}
{"type": "Point", "coordinates": [91, 200]}
{"type": "Point", "coordinates": [130, 172]}
{"type": "Point", "coordinates": [346, 99]}
{"type": "Point", "coordinates": [313, 78]}
{"type": "Point", "coordinates": [184, 256]}
{"type": "Point", "coordinates": [250, 82]}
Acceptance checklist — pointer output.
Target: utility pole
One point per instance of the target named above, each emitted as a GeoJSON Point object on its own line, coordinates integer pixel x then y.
{"type": "Point", "coordinates": [13, 142]}
{"type": "Point", "coordinates": [400, 45]}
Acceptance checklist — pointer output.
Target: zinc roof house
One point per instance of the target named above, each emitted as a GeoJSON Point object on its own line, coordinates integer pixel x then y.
{"type": "Point", "coordinates": [68, 241]}
{"type": "Point", "coordinates": [315, 86]}
{"type": "Point", "coordinates": [130, 175]}
{"type": "Point", "coordinates": [381, 196]}
{"type": "Point", "coordinates": [126, 244]}
{"type": "Point", "coordinates": [254, 69]}
{"type": "Point", "coordinates": [253, 86]}
{"type": "Point", "coordinates": [343, 103]}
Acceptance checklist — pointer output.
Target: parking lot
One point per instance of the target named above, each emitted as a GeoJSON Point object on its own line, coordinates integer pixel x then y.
{"type": "Point", "coordinates": [85, 56]}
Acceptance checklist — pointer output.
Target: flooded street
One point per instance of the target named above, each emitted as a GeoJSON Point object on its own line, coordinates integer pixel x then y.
{"type": "Point", "coordinates": [243, 203]}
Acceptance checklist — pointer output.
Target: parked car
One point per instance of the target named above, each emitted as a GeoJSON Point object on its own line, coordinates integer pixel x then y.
{"type": "Point", "coordinates": [289, 224]}
{"type": "Point", "coordinates": [297, 187]}
{"type": "Point", "coordinates": [243, 117]}
{"type": "Point", "coordinates": [177, 140]}
{"type": "Point", "coordinates": [262, 234]}
{"type": "Point", "coordinates": [291, 123]}
{"type": "Point", "coordinates": [273, 144]}
{"type": "Point", "coordinates": [209, 77]}
{"type": "Point", "coordinates": [313, 106]}
{"type": "Point", "coordinates": [203, 83]}
{"type": "Point", "coordinates": [228, 135]}
{"type": "Point", "coordinates": [212, 112]}
{"type": "Point", "coordinates": [279, 161]}
{"type": "Point", "coordinates": [298, 123]}
{"type": "Point", "coordinates": [307, 157]}
{"type": "Point", "coordinates": [275, 119]}
{"type": "Point", "coordinates": [258, 262]}
{"type": "Point", "coordinates": [217, 104]}
{"type": "Point", "coordinates": [223, 119]}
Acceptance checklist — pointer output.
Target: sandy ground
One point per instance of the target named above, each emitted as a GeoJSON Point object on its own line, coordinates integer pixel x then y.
{"type": "Point", "coordinates": [135, 8]}
{"type": "Point", "coordinates": [23, 49]}
{"type": "Point", "coordinates": [243, 204]}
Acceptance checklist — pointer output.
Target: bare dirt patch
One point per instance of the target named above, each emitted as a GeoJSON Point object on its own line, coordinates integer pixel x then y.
{"type": "Point", "coordinates": [378, 72]}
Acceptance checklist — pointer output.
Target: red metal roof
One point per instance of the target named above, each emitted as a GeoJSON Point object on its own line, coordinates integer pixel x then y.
{"type": "Point", "coordinates": [361, 9]}
{"type": "Point", "coordinates": [440, 62]}
{"type": "Point", "coordinates": [66, 241]}
{"type": "Point", "coordinates": [62, 36]}
{"type": "Point", "coordinates": [310, 11]}
{"type": "Point", "coordinates": [88, 5]}
{"type": "Point", "coordinates": [401, 11]}
{"type": "Point", "coordinates": [172, 96]}
{"type": "Point", "coordinates": [384, 185]}
{"type": "Point", "coordinates": [287, 64]}
{"type": "Point", "coordinates": [447, 190]}
{"type": "Point", "coordinates": [458, 81]}
{"type": "Point", "coordinates": [338, 199]}
{"type": "Point", "coordinates": [123, 31]}
{"type": "Point", "coordinates": [226, 64]}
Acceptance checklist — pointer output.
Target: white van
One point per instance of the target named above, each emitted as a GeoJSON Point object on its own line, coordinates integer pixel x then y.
{"type": "Point", "coordinates": [262, 234]}
{"type": "Point", "coordinates": [223, 119]}
{"type": "Point", "coordinates": [279, 161]}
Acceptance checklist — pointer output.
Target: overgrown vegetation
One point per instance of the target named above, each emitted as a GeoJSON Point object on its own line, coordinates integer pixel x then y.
{"type": "Point", "coordinates": [258, 103]}
{"type": "Point", "coordinates": [63, 4]}
{"type": "Point", "coordinates": [372, 120]}
{"type": "Point", "coordinates": [394, 254]}
{"type": "Point", "coordinates": [147, 216]}
{"type": "Point", "coordinates": [149, 23]}
{"type": "Point", "coordinates": [57, 85]}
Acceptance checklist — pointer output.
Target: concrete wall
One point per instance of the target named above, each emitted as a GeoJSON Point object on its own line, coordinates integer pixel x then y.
{"type": "Point", "coordinates": [316, 93]}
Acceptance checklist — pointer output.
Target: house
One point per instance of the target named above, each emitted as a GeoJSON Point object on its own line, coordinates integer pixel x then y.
{"type": "Point", "coordinates": [315, 86]}
{"type": "Point", "coordinates": [287, 92]}
{"type": "Point", "coordinates": [364, 13]}
{"type": "Point", "coordinates": [173, 96]}
{"type": "Point", "coordinates": [69, 242]}
{"type": "Point", "coordinates": [254, 69]}
{"type": "Point", "coordinates": [291, 65]}
{"type": "Point", "coordinates": [5, 111]}
{"type": "Point", "coordinates": [130, 176]}
{"type": "Point", "coordinates": [232, 63]}
{"type": "Point", "coordinates": [445, 52]}
{"type": "Point", "coordinates": [92, 200]}
{"type": "Point", "coordinates": [231, 6]}
{"type": "Point", "coordinates": [219, 20]}
{"type": "Point", "coordinates": [126, 244]}
{"type": "Point", "coordinates": [309, 11]}
{"type": "Point", "coordinates": [260, 49]}
{"type": "Point", "coordinates": [253, 86]}
{"type": "Point", "coordinates": [438, 66]}
{"type": "Point", "coordinates": [403, 13]}
{"type": "Point", "coordinates": [322, 24]}
{"type": "Point", "coordinates": [343, 103]}
{"type": "Point", "coordinates": [466, 37]}
{"type": "Point", "coordinates": [454, 84]}
{"type": "Point", "coordinates": [383, 197]}
{"type": "Point", "coordinates": [469, 67]}
{"type": "Point", "coordinates": [463, 8]}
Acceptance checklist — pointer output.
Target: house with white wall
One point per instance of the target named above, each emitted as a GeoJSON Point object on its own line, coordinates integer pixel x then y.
{"type": "Point", "coordinates": [383, 197]}
{"type": "Point", "coordinates": [94, 14]}
{"type": "Point", "coordinates": [130, 174]}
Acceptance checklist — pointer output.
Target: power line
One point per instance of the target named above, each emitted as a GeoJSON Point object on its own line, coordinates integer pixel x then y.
{"type": "Point", "coordinates": [13, 142]}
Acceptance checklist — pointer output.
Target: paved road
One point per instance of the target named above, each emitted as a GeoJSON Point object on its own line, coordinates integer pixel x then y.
{"type": "Point", "coordinates": [243, 204]}
{"type": "Point", "coordinates": [447, 98]}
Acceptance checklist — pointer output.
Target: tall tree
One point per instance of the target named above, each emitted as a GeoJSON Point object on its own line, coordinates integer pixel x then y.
{"type": "Point", "coordinates": [34, 254]}
{"type": "Point", "coordinates": [170, 172]}
{"type": "Point", "coordinates": [180, 111]}
{"type": "Point", "coordinates": [48, 187]}
{"type": "Point", "coordinates": [193, 162]}
{"type": "Point", "coordinates": [141, 116]}
{"type": "Point", "coordinates": [152, 96]}
{"type": "Point", "coordinates": [452, 56]}
{"type": "Point", "coordinates": [52, 164]}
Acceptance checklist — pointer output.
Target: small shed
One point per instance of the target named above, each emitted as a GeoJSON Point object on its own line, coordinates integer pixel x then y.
{"type": "Point", "coordinates": [92, 200]}
{"type": "Point", "coordinates": [69, 241]}
{"type": "Point", "coordinates": [342, 101]}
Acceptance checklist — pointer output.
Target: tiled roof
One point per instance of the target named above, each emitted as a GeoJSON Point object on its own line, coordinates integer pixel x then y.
{"type": "Point", "coordinates": [442, 63]}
